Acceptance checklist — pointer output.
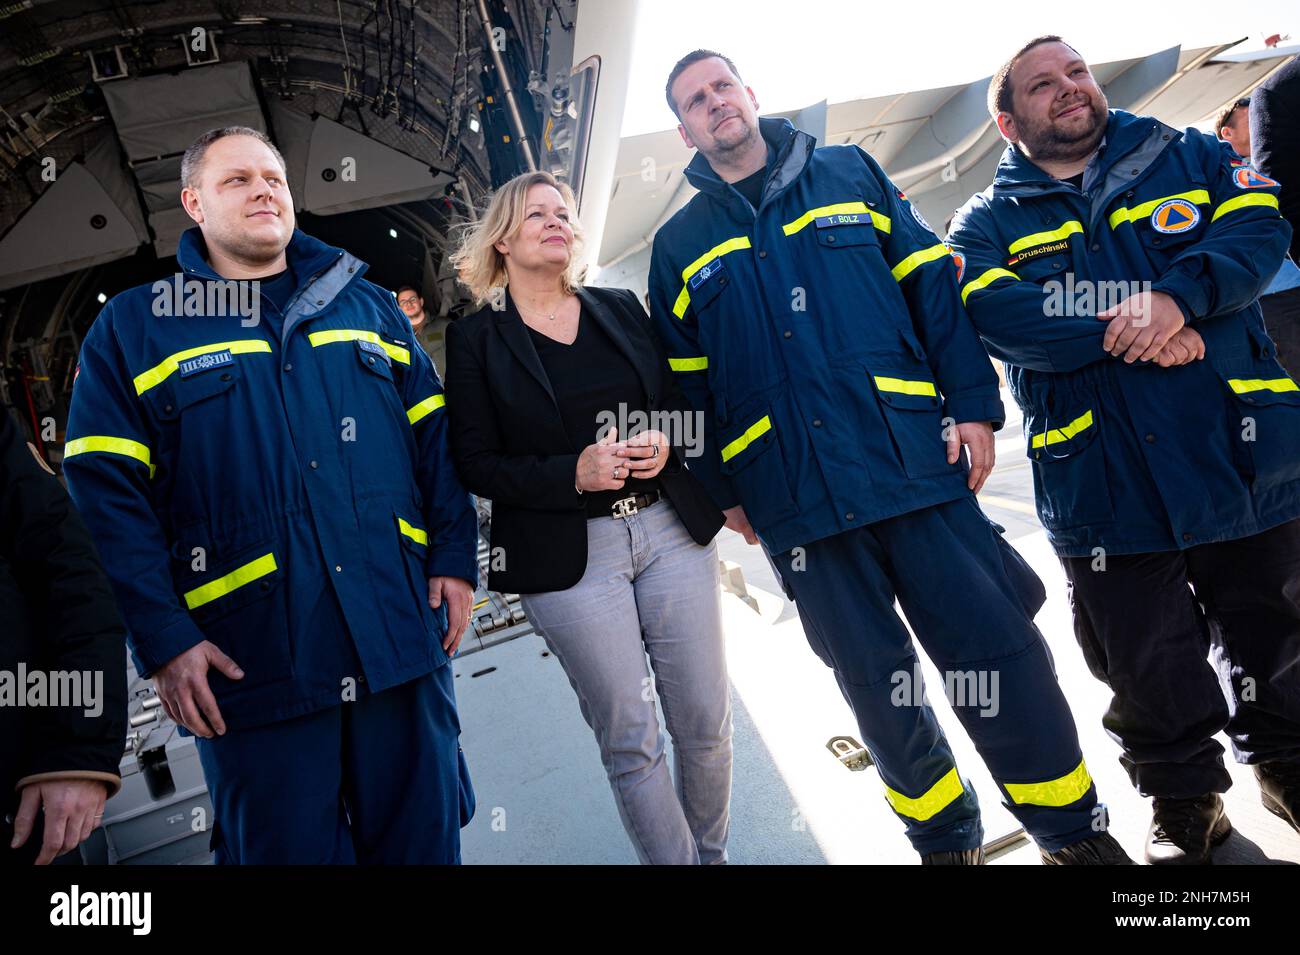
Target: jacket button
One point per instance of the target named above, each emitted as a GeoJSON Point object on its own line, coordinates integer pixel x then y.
{"type": "Point", "coordinates": [353, 268]}
{"type": "Point", "coordinates": [225, 376]}
{"type": "Point", "coordinates": [1130, 194]}
{"type": "Point", "coordinates": [722, 281]}
{"type": "Point", "coordinates": [848, 516]}
{"type": "Point", "coordinates": [288, 366]}
{"type": "Point", "coordinates": [830, 238]}
{"type": "Point", "coordinates": [1165, 137]}
{"type": "Point", "coordinates": [762, 253]}
{"type": "Point", "coordinates": [266, 585]}
{"type": "Point", "coordinates": [338, 568]}
{"type": "Point", "coordinates": [1186, 536]}
{"type": "Point", "coordinates": [1096, 247]}
{"type": "Point", "coordinates": [817, 422]}
{"type": "Point", "coordinates": [314, 465]}
{"type": "Point", "coordinates": [1133, 172]}
{"type": "Point", "coordinates": [167, 409]}
{"type": "Point", "coordinates": [371, 360]}
{"type": "Point", "coordinates": [1156, 240]}
{"type": "Point", "coordinates": [788, 333]}
{"type": "Point", "coordinates": [1150, 439]}
{"type": "Point", "coordinates": [320, 301]}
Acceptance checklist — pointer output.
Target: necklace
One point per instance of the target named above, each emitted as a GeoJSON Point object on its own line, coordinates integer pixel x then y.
{"type": "Point", "coordinates": [550, 317]}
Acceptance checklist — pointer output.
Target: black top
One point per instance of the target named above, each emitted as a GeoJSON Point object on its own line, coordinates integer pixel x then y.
{"type": "Point", "coordinates": [751, 187]}
{"type": "Point", "coordinates": [1275, 140]}
{"type": "Point", "coordinates": [509, 441]}
{"type": "Point", "coordinates": [1076, 181]}
{"type": "Point", "coordinates": [279, 287]}
{"type": "Point", "coordinates": [595, 386]}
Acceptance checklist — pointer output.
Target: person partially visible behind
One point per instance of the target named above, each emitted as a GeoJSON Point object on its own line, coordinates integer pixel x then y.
{"type": "Point", "coordinates": [58, 763]}
{"type": "Point", "coordinates": [1280, 301]}
{"type": "Point", "coordinates": [1275, 140]}
{"type": "Point", "coordinates": [430, 330]}
{"type": "Point", "coordinates": [606, 535]}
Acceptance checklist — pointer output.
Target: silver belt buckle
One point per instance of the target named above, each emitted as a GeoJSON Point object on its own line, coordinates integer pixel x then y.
{"type": "Point", "coordinates": [625, 507]}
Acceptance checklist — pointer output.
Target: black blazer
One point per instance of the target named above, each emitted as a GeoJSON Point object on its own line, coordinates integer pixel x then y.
{"type": "Point", "coordinates": [510, 446]}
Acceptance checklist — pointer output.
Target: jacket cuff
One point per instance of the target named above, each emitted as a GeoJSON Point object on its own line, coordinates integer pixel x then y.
{"type": "Point", "coordinates": [1186, 290]}
{"type": "Point", "coordinates": [111, 781]}
{"type": "Point", "coordinates": [975, 407]}
{"type": "Point", "coordinates": [452, 562]}
{"type": "Point", "coordinates": [151, 653]}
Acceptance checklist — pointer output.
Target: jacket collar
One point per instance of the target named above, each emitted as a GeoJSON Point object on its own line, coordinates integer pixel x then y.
{"type": "Point", "coordinates": [307, 256]}
{"type": "Point", "coordinates": [789, 148]}
{"type": "Point", "coordinates": [1125, 135]}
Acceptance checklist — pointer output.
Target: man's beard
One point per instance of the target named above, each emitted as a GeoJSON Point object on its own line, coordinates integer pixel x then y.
{"type": "Point", "coordinates": [242, 248]}
{"type": "Point", "coordinates": [723, 148]}
{"type": "Point", "coordinates": [1046, 141]}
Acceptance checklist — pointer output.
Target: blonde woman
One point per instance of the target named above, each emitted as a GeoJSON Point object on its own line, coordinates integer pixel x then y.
{"type": "Point", "coordinates": [607, 536]}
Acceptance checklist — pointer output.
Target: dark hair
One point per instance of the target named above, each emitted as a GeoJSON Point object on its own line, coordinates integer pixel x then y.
{"type": "Point", "coordinates": [406, 288]}
{"type": "Point", "coordinates": [1000, 100]}
{"type": "Point", "coordinates": [693, 57]}
{"type": "Point", "coordinates": [192, 161]}
{"type": "Point", "coordinates": [1225, 117]}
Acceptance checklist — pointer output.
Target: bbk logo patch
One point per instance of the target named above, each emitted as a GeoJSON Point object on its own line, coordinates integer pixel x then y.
{"type": "Point", "coordinates": [1247, 178]}
{"type": "Point", "coordinates": [1175, 215]}
{"type": "Point", "coordinates": [199, 363]}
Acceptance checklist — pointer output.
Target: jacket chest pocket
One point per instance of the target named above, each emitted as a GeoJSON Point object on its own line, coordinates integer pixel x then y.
{"type": "Point", "coordinates": [186, 396]}
{"type": "Point", "coordinates": [1069, 463]}
{"type": "Point", "coordinates": [846, 231]}
{"type": "Point", "coordinates": [374, 359]}
{"type": "Point", "coordinates": [752, 458]}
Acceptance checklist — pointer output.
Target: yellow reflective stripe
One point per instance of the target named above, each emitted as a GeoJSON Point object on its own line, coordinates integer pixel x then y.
{"type": "Point", "coordinates": [905, 387]}
{"type": "Point", "coordinates": [1055, 792]}
{"type": "Point", "coordinates": [99, 442]}
{"type": "Point", "coordinates": [988, 278]}
{"type": "Point", "coordinates": [417, 535]}
{"type": "Point", "coordinates": [902, 269]}
{"type": "Point", "coordinates": [232, 581]}
{"type": "Point", "coordinates": [395, 352]}
{"type": "Point", "coordinates": [1124, 214]}
{"type": "Point", "coordinates": [935, 800]}
{"type": "Point", "coordinates": [879, 220]}
{"type": "Point", "coordinates": [1246, 385]}
{"type": "Point", "coordinates": [1057, 435]}
{"type": "Point", "coordinates": [759, 427]}
{"type": "Point", "coordinates": [689, 364]}
{"type": "Point", "coordinates": [425, 407]}
{"type": "Point", "coordinates": [1238, 202]}
{"type": "Point", "coordinates": [721, 249]}
{"type": "Point", "coordinates": [164, 369]}
{"type": "Point", "coordinates": [1066, 230]}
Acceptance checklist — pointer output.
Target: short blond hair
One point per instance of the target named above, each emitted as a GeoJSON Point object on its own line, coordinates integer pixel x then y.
{"type": "Point", "coordinates": [480, 267]}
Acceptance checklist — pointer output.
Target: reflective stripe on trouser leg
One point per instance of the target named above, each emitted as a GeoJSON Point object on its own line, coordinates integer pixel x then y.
{"type": "Point", "coordinates": [969, 611]}
{"type": "Point", "coordinates": [846, 605]}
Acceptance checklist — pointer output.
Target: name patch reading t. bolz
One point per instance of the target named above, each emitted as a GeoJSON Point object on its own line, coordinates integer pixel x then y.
{"type": "Point", "coordinates": [844, 218]}
{"type": "Point", "coordinates": [192, 366]}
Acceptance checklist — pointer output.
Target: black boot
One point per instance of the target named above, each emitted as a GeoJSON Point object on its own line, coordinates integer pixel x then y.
{"type": "Point", "coordinates": [955, 857]}
{"type": "Point", "coordinates": [1101, 849]}
{"type": "Point", "coordinates": [1184, 831]}
{"type": "Point", "coordinates": [1279, 789]}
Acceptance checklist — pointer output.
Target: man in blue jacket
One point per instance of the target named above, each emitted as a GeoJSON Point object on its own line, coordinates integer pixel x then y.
{"type": "Point", "coordinates": [1114, 264]}
{"type": "Point", "coordinates": [259, 450]}
{"type": "Point", "coordinates": [814, 322]}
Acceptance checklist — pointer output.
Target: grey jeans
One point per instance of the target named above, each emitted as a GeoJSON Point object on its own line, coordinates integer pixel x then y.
{"type": "Point", "coordinates": [650, 589]}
